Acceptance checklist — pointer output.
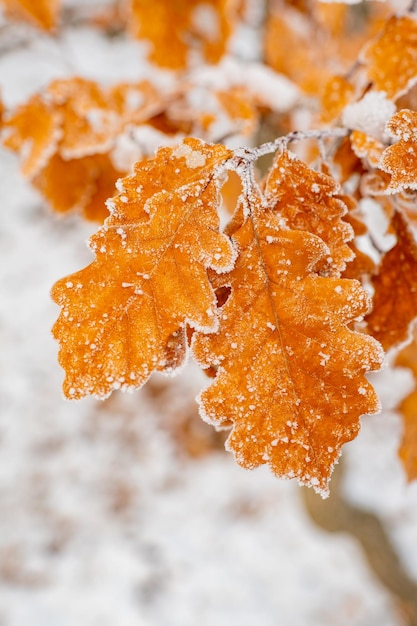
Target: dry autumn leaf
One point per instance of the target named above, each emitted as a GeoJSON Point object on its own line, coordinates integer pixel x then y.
{"type": "Point", "coordinates": [290, 374]}
{"type": "Point", "coordinates": [400, 160]}
{"type": "Point", "coordinates": [366, 147]}
{"type": "Point", "coordinates": [337, 93]}
{"type": "Point", "coordinates": [34, 129]}
{"type": "Point", "coordinates": [174, 27]}
{"type": "Point", "coordinates": [124, 316]}
{"type": "Point", "coordinates": [307, 200]}
{"type": "Point", "coordinates": [408, 408]}
{"type": "Point", "coordinates": [66, 136]}
{"type": "Point", "coordinates": [395, 285]}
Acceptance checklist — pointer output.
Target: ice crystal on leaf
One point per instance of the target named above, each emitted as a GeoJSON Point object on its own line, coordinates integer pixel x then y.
{"type": "Point", "coordinates": [124, 315]}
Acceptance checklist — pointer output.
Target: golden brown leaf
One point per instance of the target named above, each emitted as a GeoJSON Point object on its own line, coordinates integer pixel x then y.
{"type": "Point", "coordinates": [35, 130]}
{"type": "Point", "coordinates": [408, 408]}
{"type": "Point", "coordinates": [124, 315]}
{"type": "Point", "coordinates": [337, 93]}
{"type": "Point", "coordinates": [311, 47]}
{"type": "Point", "coordinates": [361, 264]}
{"type": "Point", "coordinates": [290, 374]}
{"type": "Point", "coordinates": [174, 27]}
{"type": "Point", "coordinates": [400, 160]}
{"type": "Point", "coordinates": [78, 185]}
{"type": "Point", "coordinates": [89, 122]}
{"type": "Point", "coordinates": [346, 162]}
{"type": "Point", "coordinates": [395, 297]}
{"type": "Point", "coordinates": [42, 13]}
{"type": "Point", "coordinates": [366, 147]}
{"type": "Point", "coordinates": [65, 136]}
{"type": "Point", "coordinates": [237, 102]}
{"type": "Point", "coordinates": [307, 200]}
{"type": "Point", "coordinates": [391, 59]}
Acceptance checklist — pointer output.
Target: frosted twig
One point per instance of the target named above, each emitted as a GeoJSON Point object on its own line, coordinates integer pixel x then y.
{"type": "Point", "coordinates": [413, 6]}
{"type": "Point", "coordinates": [281, 143]}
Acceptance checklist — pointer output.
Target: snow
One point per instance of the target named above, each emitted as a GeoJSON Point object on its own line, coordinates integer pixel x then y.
{"type": "Point", "coordinates": [370, 114]}
{"type": "Point", "coordinates": [103, 517]}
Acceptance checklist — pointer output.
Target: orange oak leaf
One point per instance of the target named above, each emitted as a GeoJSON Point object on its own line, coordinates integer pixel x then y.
{"type": "Point", "coordinates": [400, 159]}
{"type": "Point", "coordinates": [391, 59]}
{"type": "Point", "coordinates": [35, 130]}
{"type": "Point", "coordinates": [237, 103]}
{"type": "Point", "coordinates": [136, 102]}
{"type": "Point", "coordinates": [347, 165]}
{"type": "Point", "coordinates": [66, 136]}
{"type": "Point", "coordinates": [88, 120]}
{"type": "Point", "coordinates": [337, 93]}
{"type": "Point", "coordinates": [395, 285]}
{"type": "Point", "coordinates": [124, 315]}
{"type": "Point", "coordinates": [407, 357]}
{"type": "Point", "coordinates": [307, 200]}
{"type": "Point", "coordinates": [361, 265]}
{"type": "Point", "coordinates": [290, 373]}
{"type": "Point", "coordinates": [79, 184]}
{"type": "Point", "coordinates": [174, 27]}
{"type": "Point", "coordinates": [42, 13]}
{"type": "Point", "coordinates": [366, 147]}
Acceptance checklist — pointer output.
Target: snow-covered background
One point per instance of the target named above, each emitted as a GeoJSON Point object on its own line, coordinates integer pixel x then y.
{"type": "Point", "coordinates": [106, 517]}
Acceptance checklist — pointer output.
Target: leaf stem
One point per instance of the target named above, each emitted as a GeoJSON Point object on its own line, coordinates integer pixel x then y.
{"type": "Point", "coordinates": [280, 143]}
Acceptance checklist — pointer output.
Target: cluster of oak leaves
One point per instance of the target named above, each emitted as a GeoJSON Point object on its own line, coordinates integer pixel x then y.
{"type": "Point", "coordinates": [280, 306]}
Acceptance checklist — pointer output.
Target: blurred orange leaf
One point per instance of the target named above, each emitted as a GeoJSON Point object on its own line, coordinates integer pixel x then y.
{"type": "Point", "coordinates": [395, 285]}
{"type": "Point", "coordinates": [42, 13]}
{"type": "Point", "coordinates": [391, 58]}
{"type": "Point", "coordinates": [175, 27]}
{"type": "Point", "coordinates": [408, 408]}
{"type": "Point", "coordinates": [35, 130]}
{"type": "Point", "coordinates": [337, 93]}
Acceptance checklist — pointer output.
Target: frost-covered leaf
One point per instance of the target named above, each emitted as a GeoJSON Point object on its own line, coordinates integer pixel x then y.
{"type": "Point", "coordinates": [88, 121]}
{"type": "Point", "coordinates": [395, 285]}
{"type": "Point", "coordinates": [124, 315]}
{"type": "Point", "coordinates": [338, 91]}
{"type": "Point", "coordinates": [42, 13]}
{"type": "Point", "coordinates": [391, 59]}
{"type": "Point", "coordinates": [408, 408]}
{"type": "Point", "coordinates": [67, 135]}
{"type": "Point", "coordinates": [307, 200]}
{"type": "Point", "coordinates": [400, 160]}
{"type": "Point", "coordinates": [290, 373]}
{"type": "Point", "coordinates": [361, 265]}
{"type": "Point", "coordinates": [175, 27]}
{"type": "Point", "coordinates": [366, 147]}
{"type": "Point", "coordinates": [78, 184]}
{"type": "Point", "coordinates": [34, 129]}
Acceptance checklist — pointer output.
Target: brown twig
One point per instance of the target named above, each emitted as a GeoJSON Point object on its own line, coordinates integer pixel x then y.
{"type": "Point", "coordinates": [337, 515]}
